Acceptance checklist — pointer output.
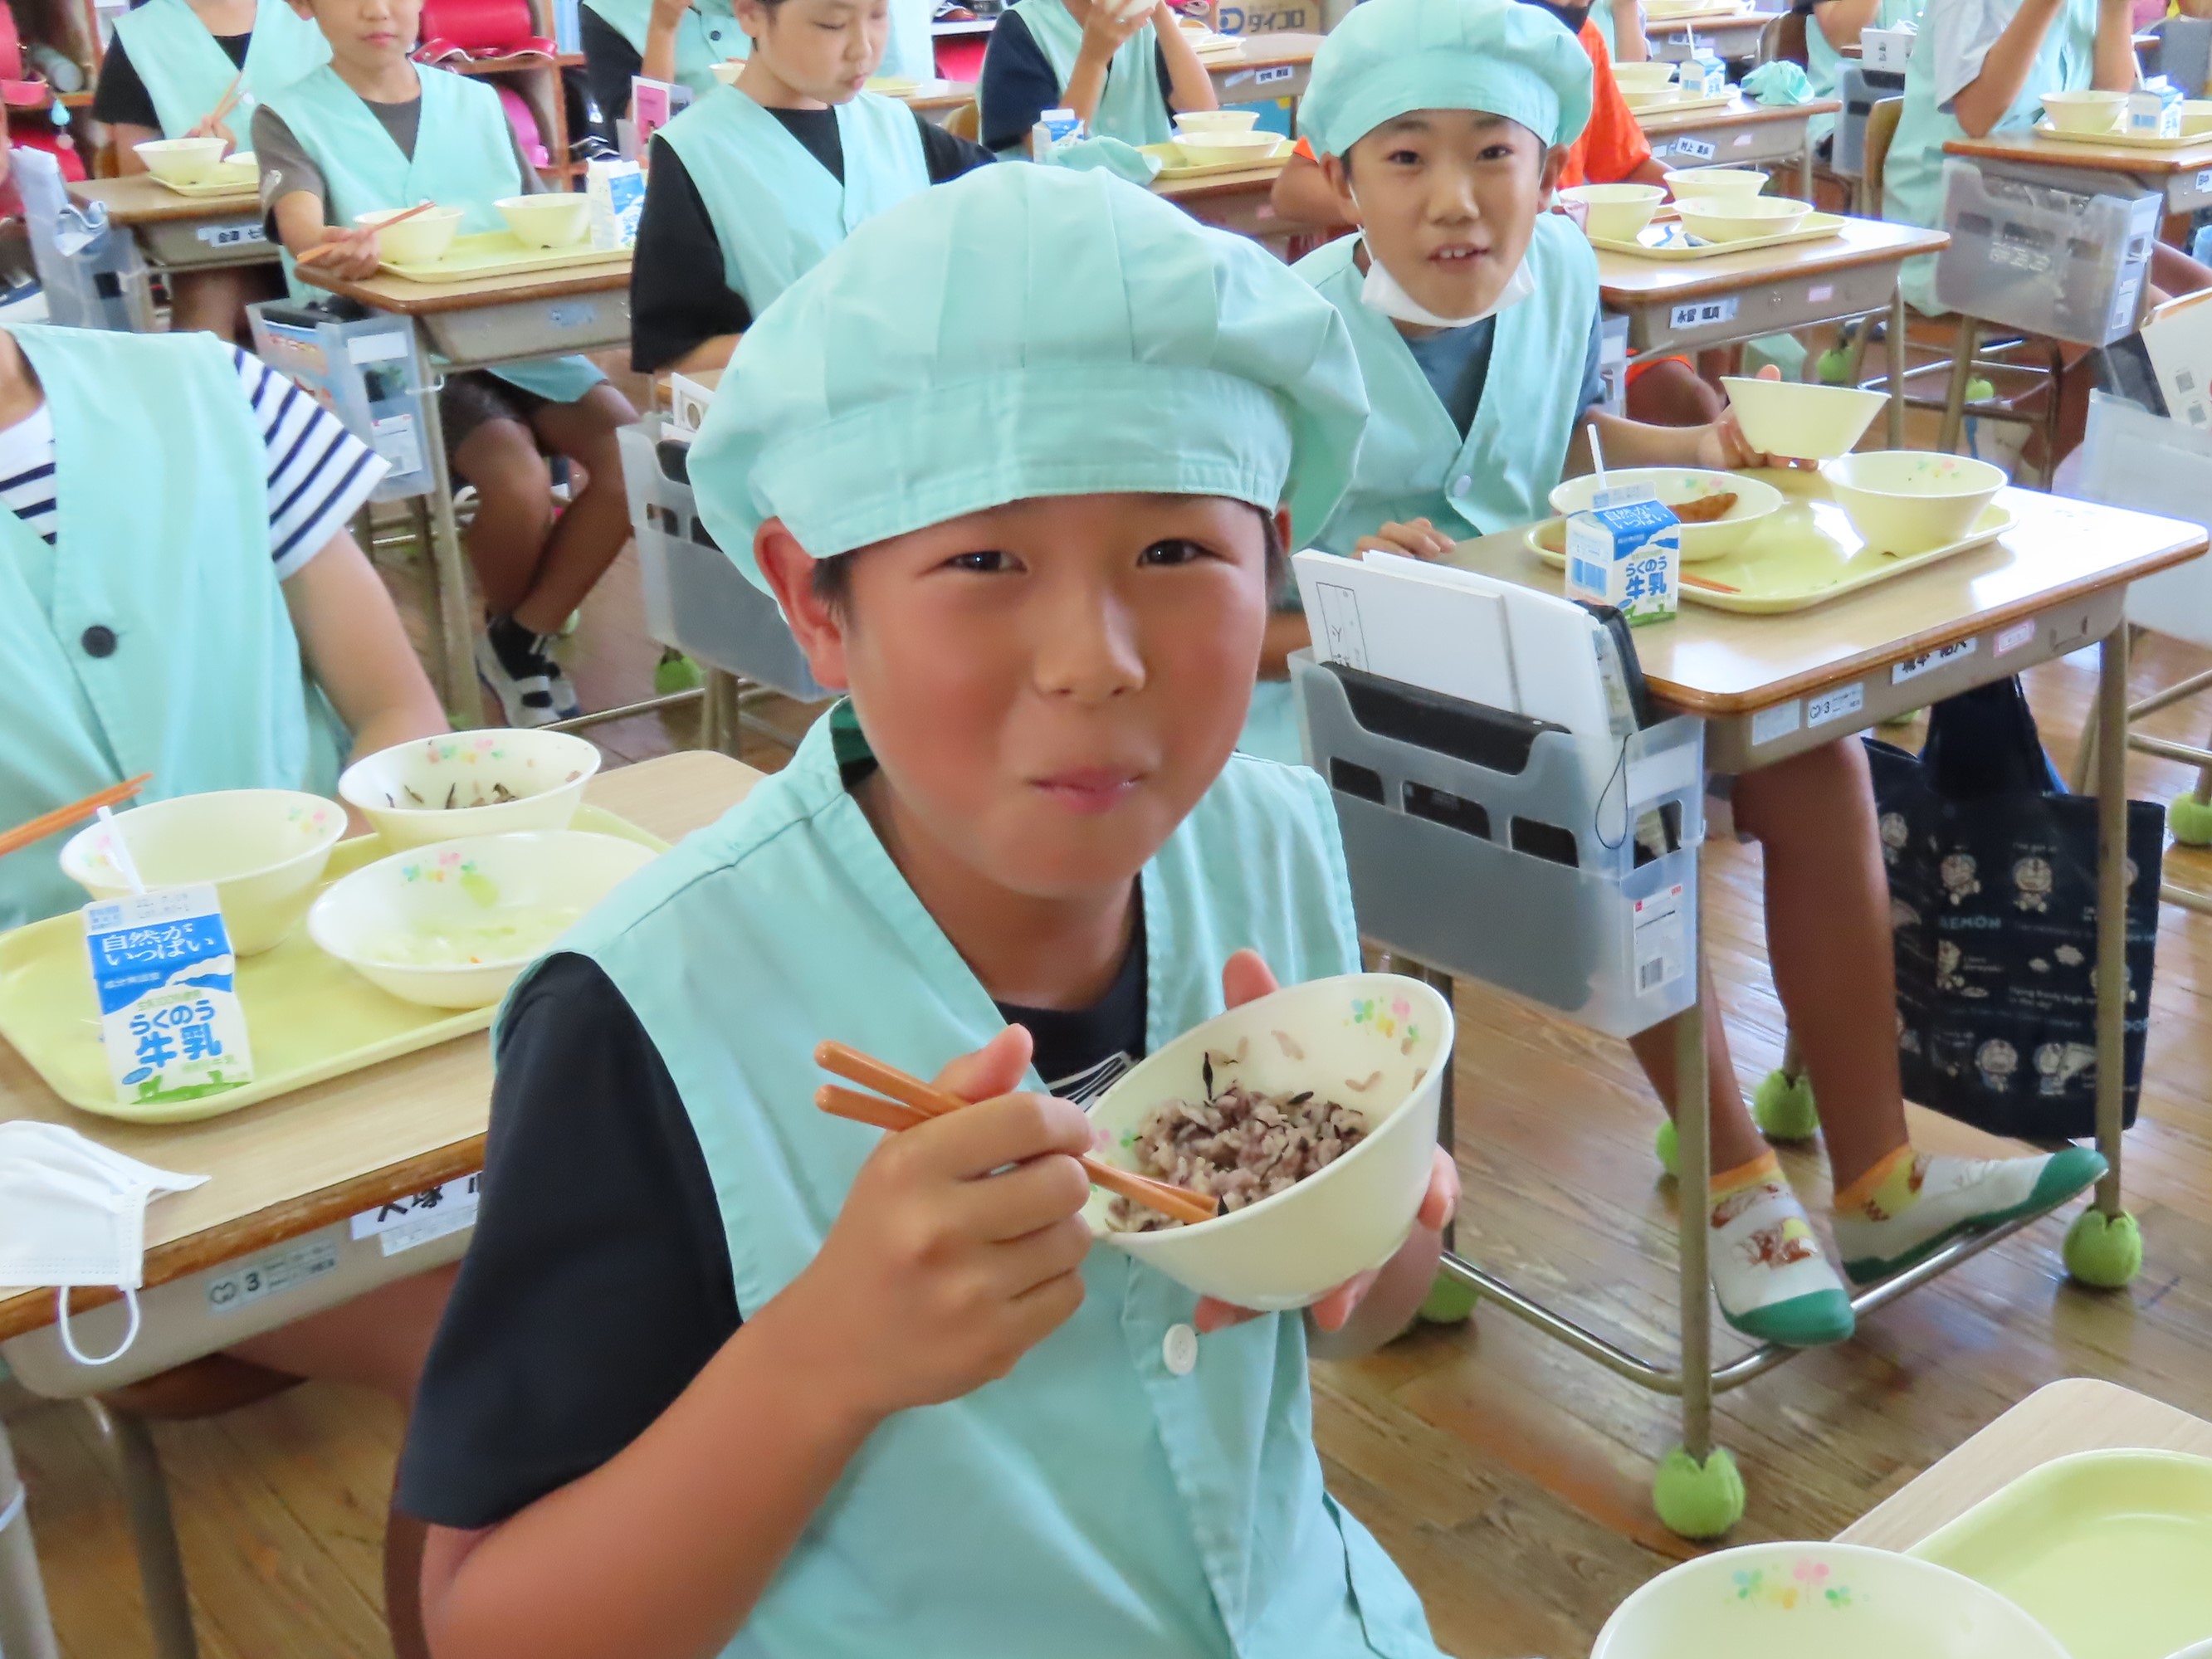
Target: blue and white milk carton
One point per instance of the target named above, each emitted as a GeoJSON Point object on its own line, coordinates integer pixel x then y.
{"type": "Point", "coordinates": [1626, 551]}
{"type": "Point", "coordinates": [166, 978]}
{"type": "Point", "coordinates": [1701, 75]}
{"type": "Point", "coordinates": [2155, 110]}
{"type": "Point", "coordinates": [616, 191]}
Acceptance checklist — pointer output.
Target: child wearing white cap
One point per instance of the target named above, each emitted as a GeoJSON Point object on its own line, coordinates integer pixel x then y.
{"type": "Point", "coordinates": [1474, 313]}
{"type": "Point", "coordinates": [1018, 460]}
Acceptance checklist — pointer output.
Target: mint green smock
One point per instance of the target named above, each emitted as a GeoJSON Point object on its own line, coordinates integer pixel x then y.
{"type": "Point", "coordinates": [1912, 179]}
{"type": "Point", "coordinates": [1130, 107]}
{"type": "Point", "coordinates": [1092, 1504]}
{"type": "Point", "coordinates": [1600, 13]}
{"type": "Point", "coordinates": [1823, 64]}
{"type": "Point", "coordinates": [775, 209]}
{"type": "Point", "coordinates": [186, 73]}
{"type": "Point", "coordinates": [464, 157]}
{"type": "Point", "coordinates": [707, 35]}
{"type": "Point", "coordinates": [161, 493]}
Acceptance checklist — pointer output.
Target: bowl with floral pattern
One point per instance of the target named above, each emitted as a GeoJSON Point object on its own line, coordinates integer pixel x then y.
{"type": "Point", "coordinates": [1910, 500]}
{"type": "Point", "coordinates": [1708, 531]}
{"type": "Point", "coordinates": [1818, 1601]}
{"type": "Point", "coordinates": [1374, 1046]}
{"type": "Point", "coordinates": [470, 783]}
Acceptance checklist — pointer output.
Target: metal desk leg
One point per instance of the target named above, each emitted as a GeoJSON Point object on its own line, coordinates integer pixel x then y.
{"type": "Point", "coordinates": [26, 1629]}
{"type": "Point", "coordinates": [452, 651]}
{"type": "Point", "coordinates": [153, 1530]}
{"type": "Point", "coordinates": [1805, 167]}
{"type": "Point", "coordinates": [1896, 363]}
{"type": "Point", "coordinates": [1962, 374]}
{"type": "Point", "coordinates": [1447, 1112]}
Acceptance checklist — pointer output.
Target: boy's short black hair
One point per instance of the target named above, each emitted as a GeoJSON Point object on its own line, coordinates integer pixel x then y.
{"type": "Point", "coordinates": [833, 577]}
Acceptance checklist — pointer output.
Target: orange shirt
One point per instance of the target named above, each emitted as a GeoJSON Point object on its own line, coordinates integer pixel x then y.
{"type": "Point", "coordinates": [1612, 146]}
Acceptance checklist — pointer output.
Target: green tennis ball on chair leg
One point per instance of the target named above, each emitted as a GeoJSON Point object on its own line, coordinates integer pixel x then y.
{"type": "Point", "coordinates": [1668, 1145]}
{"type": "Point", "coordinates": [2104, 1251]}
{"type": "Point", "coordinates": [1835, 366]}
{"type": "Point", "coordinates": [675, 672]}
{"type": "Point", "coordinates": [2191, 820]}
{"type": "Point", "coordinates": [1782, 1107]}
{"type": "Point", "coordinates": [1697, 1500]}
{"type": "Point", "coordinates": [1450, 1301]}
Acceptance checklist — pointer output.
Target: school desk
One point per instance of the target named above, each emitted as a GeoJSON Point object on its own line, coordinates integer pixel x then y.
{"type": "Point", "coordinates": [1770, 687]}
{"type": "Point", "coordinates": [2183, 176]}
{"type": "Point", "coordinates": [1688, 305]}
{"type": "Point", "coordinates": [270, 1238]}
{"type": "Point", "coordinates": [937, 100]}
{"type": "Point", "coordinates": [2058, 1419]}
{"type": "Point", "coordinates": [1732, 34]}
{"type": "Point", "coordinates": [1263, 66]}
{"type": "Point", "coordinates": [177, 233]}
{"type": "Point", "coordinates": [481, 323]}
{"type": "Point", "coordinates": [1235, 201]}
{"type": "Point", "coordinates": [1743, 134]}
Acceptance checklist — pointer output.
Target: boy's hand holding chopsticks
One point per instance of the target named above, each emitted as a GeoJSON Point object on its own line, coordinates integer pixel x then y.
{"type": "Point", "coordinates": [349, 255]}
{"type": "Point", "coordinates": [212, 124]}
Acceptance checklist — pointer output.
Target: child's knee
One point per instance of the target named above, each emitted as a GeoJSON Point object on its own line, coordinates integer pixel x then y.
{"type": "Point", "coordinates": [1811, 791]}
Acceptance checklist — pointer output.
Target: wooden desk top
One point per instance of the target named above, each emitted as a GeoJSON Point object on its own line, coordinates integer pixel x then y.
{"type": "Point", "coordinates": [1694, 21]}
{"type": "Point", "coordinates": [138, 200]}
{"type": "Point", "coordinates": [1264, 51]}
{"type": "Point", "coordinates": [304, 1160]}
{"type": "Point", "coordinates": [2076, 1415]}
{"type": "Point", "coordinates": [1716, 663]}
{"type": "Point", "coordinates": [938, 94]}
{"type": "Point", "coordinates": [1625, 281]}
{"type": "Point", "coordinates": [386, 292]}
{"type": "Point", "coordinates": [1743, 112]}
{"type": "Point", "coordinates": [1259, 177]}
{"type": "Point", "coordinates": [2033, 147]}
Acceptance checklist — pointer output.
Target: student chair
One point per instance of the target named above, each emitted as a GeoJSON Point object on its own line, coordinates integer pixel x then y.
{"type": "Point", "coordinates": [966, 121]}
{"type": "Point", "coordinates": [1783, 40]}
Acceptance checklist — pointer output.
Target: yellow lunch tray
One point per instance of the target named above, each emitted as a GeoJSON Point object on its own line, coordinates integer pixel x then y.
{"type": "Point", "coordinates": [214, 190]}
{"type": "Point", "coordinates": [891, 86]}
{"type": "Point", "coordinates": [1683, 106]}
{"type": "Point", "coordinates": [1676, 14]}
{"type": "Point", "coordinates": [1804, 555]}
{"type": "Point", "coordinates": [1172, 168]}
{"type": "Point", "coordinates": [2125, 140]}
{"type": "Point", "coordinates": [2110, 1550]}
{"type": "Point", "coordinates": [1659, 239]}
{"type": "Point", "coordinates": [500, 253]}
{"type": "Point", "coordinates": [310, 1018]}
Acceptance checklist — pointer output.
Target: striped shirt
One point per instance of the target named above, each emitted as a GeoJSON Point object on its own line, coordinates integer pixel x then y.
{"type": "Point", "coordinates": [319, 474]}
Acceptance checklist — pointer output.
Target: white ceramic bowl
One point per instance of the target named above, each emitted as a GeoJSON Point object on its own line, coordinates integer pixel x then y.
{"type": "Point", "coordinates": [2084, 112]}
{"type": "Point", "coordinates": [181, 161]}
{"type": "Point", "coordinates": [241, 168]}
{"type": "Point", "coordinates": [1393, 1034]}
{"type": "Point", "coordinates": [1217, 120]}
{"type": "Point", "coordinates": [420, 241]}
{"type": "Point", "coordinates": [1691, 182]}
{"type": "Point", "coordinates": [557, 218]}
{"type": "Point", "coordinates": [1201, 147]}
{"type": "Point", "coordinates": [264, 849]}
{"type": "Point", "coordinates": [1643, 78]}
{"type": "Point", "coordinates": [1739, 218]}
{"type": "Point", "coordinates": [728, 70]}
{"type": "Point", "coordinates": [1754, 500]}
{"type": "Point", "coordinates": [1802, 420]}
{"type": "Point", "coordinates": [403, 791]}
{"type": "Point", "coordinates": [451, 926]}
{"type": "Point", "coordinates": [1907, 501]}
{"type": "Point", "coordinates": [1615, 212]}
{"type": "Point", "coordinates": [2196, 116]}
{"type": "Point", "coordinates": [1818, 1601]}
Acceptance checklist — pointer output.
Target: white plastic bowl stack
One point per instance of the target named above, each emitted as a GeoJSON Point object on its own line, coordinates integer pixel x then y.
{"type": "Point", "coordinates": [421, 240]}
{"type": "Point", "coordinates": [1689, 183]}
{"type": "Point", "coordinates": [1740, 218]}
{"type": "Point", "coordinates": [553, 219]}
{"type": "Point", "coordinates": [1652, 76]}
{"type": "Point", "coordinates": [1615, 213]}
{"type": "Point", "coordinates": [402, 791]}
{"type": "Point", "coordinates": [181, 161]}
{"type": "Point", "coordinates": [1374, 1042]}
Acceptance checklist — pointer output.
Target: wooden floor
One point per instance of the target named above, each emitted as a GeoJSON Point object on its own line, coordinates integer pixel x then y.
{"type": "Point", "coordinates": [1510, 1477]}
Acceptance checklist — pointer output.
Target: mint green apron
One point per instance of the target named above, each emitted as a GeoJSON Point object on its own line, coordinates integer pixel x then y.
{"type": "Point", "coordinates": [202, 685]}
{"type": "Point", "coordinates": [1823, 65]}
{"type": "Point", "coordinates": [1912, 179]}
{"type": "Point", "coordinates": [912, 49]}
{"type": "Point", "coordinates": [1600, 13]}
{"type": "Point", "coordinates": [186, 72]}
{"type": "Point", "coordinates": [1130, 107]}
{"type": "Point", "coordinates": [776, 210]}
{"type": "Point", "coordinates": [464, 157]}
{"type": "Point", "coordinates": [1093, 1505]}
{"type": "Point", "coordinates": [707, 35]}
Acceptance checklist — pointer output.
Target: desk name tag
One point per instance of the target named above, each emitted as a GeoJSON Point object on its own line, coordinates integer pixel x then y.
{"type": "Point", "coordinates": [1839, 704]}
{"type": "Point", "coordinates": [1698, 149]}
{"type": "Point", "coordinates": [271, 1274]}
{"type": "Point", "coordinates": [230, 235]}
{"type": "Point", "coordinates": [1268, 77]}
{"type": "Point", "coordinates": [575, 314]}
{"type": "Point", "coordinates": [1913, 667]}
{"type": "Point", "coordinates": [1779, 721]}
{"type": "Point", "coordinates": [1703, 313]}
{"type": "Point", "coordinates": [407, 1221]}
{"type": "Point", "coordinates": [2204, 181]}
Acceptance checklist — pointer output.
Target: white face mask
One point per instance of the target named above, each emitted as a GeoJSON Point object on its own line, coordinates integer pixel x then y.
{"type": "Point", "coordinates": [72, 1212]}
{"type": "Point", "coordinates": [1380, 292]}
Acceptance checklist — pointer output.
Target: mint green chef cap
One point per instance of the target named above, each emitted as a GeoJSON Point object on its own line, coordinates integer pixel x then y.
{"type": "Point", "coordinates": [1390, 58]}
{"type": "Point", "coordinates": [1027, 331]}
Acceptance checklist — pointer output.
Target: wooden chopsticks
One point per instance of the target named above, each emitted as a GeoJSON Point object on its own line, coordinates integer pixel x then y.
{"type": "Point", "coordinates": [328, 248]}
{"type": "Point", "coordinates": [223, 105]}
{"type": "Point", "coordinates": [62, 817]}
{"type": "Point", "coordinates": [912, 1102]}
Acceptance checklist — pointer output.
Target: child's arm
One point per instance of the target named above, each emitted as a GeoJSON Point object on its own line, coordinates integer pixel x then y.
{"type": "Point", "coordinates": [1192, 87]}
{"type": "Point", "coordinates": [294, 204]}
{"type": "Point", "coordinates": [1628, 46]}
{"type": "Point", "coordinates": [1103, 34]}
{"type": "Point", "coordinates": [1841, 21]}
{"type": "Point", "coordinates": [357, 650]}
{"type": "Point", "coordinates": [1982, 102]}
{"type": "Point", "coordinates": [958, 1249]}
{"type": "Point", "coordinates": [1718, 447]}
{"type": "Point", "coordinates": [658, 62]}
{"type": "Point", "coordinates": [2116, 46]}
{"type": "Point", "coordinates": [125, 137]}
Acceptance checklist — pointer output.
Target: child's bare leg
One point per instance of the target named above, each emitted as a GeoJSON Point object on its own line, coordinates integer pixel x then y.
{"type": "Point", "coordinates": [589, 535]}
{"type": "Point", "coordinates": [1670, 392]}
{"type": "Point", "coordinates": [514, 510]}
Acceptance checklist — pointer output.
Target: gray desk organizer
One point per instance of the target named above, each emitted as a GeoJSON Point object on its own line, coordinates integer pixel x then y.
{"type": "Point", "coordinates": [1503, 849]}
{"type": "Point", "coordinates": [1860, 88]}
{"type": "Point", "coordinates": [695, 598]}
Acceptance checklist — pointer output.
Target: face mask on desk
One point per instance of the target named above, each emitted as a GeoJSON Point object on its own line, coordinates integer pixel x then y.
{"type": "Point", "coordinates": [73, 1212]}
{"type": "Point", "coordinates": [1380, 292]}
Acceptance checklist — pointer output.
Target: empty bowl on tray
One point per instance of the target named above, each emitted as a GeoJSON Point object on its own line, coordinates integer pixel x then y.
{"type": "Point", "coordinates": [1799, 420]}
{"type": "Point", "coordinates": [1217, 120]}
{"type": "Point", "coordinates": [2196, 116]}
{"type": "Point", "coordinates": [1755, 499]}
{"type": "Point", "coordinates": [264, 849]}
{"type": "Point", "coordinates": [1640, 99]}
{"type": "Point", "coordinates": [182, 160]}
{"type": "Point", "coordinates": [1377, 1043]}
{"type": "Point", "coordinates": [554, 219]}
{"type": "Point", "coordinates": [1740, 218]}
{"type": "Point", "coordinates": [1643, 78]}
{"type": "Point", "coordinates": [1688, 183]}
{"type": "Point", "coordinates": [1201, 148]}
{"type": "Point", "coordinates": [1818, 1601]}
{"type": "Point", "coordinates": [421, 241]}
{"type": "Point", "coordinates": [451, 926]}
{"type": "Point", "coordinates": [470, 783]}
{"type": "Point", "coordinates": [1909, 500]}
{"type": "Point", "coordinates": [1615, 213]}
{"type": "Point", "coordinates": [241, 168]}
{"type": "Point", "coordinates": [2084, 112]}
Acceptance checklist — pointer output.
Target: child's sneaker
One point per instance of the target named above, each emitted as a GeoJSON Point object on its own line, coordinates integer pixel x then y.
{"type": "Point", "coordinates": [1911, 1204]}
{"type": "Point", "coordinates": [514, 663]}
{"type": "Point", "coordinates": [1773, 1279]}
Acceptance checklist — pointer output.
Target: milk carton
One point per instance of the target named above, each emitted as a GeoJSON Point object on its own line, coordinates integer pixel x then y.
{"type": "Point", "coordinates": [1701, 75]}
{"type": "Point", "coordinates": [1053, 128]}
{"type": "Point", "coordinates": [2155, 110]}
{"type": "Point", "coordinates": [165, 980]}
{"type": "Point", "coordinates": [1626, 552]}
{"type": "Point", "coordinates": [1886, 50]}
{"type": "Point", "coordinates": [617, 190]}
